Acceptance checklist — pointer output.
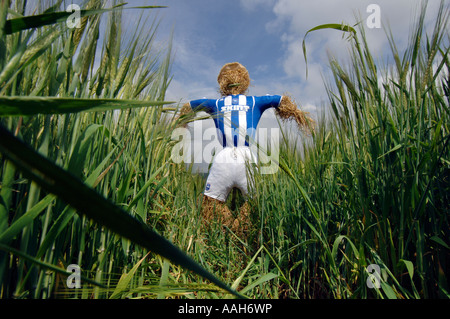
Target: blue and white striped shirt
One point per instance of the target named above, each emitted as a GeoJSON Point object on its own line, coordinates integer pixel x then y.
{"type": "Point", "coordinates": [236, 116]}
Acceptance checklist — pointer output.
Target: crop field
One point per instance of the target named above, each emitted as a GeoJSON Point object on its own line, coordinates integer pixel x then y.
{"type": "Point", "coordinates": [87, 183]}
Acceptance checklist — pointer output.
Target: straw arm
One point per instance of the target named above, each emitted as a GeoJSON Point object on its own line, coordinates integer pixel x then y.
{"type": "Point", "coordinates": [185, 110]}
{"type": "Point", "coordinates": [288, 110]}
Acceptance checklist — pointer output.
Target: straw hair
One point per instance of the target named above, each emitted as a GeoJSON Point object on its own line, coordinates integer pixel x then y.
{"type": "Point", "coordinates": [288, 110]}
{"type": "Point", "coordinates": [233, 79]}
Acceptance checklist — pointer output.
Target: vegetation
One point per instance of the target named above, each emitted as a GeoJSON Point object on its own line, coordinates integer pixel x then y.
{"type": "Point", "coordinates": [371, 185]}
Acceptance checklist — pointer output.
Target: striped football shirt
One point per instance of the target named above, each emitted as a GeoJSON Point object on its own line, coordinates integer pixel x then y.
{"type": "Point", "coordinates": [236, 116]}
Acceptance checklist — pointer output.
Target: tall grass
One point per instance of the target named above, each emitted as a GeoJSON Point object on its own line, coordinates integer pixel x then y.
{"type": "Point", "coordinates": [369, 187]}
{"type": "Point", "coordinates": [50, 75]}
{"type": "Point", "coordinates": [375, 180]}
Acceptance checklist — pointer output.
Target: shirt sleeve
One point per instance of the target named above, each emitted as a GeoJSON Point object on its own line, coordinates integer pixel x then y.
{"type": "Point", "coordinates": [206, 105]}
{"type": "Point", "coordinates": [267, 101]}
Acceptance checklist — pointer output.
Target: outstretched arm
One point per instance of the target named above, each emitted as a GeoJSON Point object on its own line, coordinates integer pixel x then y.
{"type": "Point", "coordinates": [189, 110]}
{"type": "Point", "coordinates": [287, 110]}
{"type": "Point", "coordinates": [185, 109]}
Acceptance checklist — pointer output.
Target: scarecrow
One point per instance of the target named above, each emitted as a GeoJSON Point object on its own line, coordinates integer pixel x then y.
{"type": "Point", "coordinates": [236, 117]}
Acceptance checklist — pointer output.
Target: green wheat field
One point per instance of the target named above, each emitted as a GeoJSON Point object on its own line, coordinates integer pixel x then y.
{"type": "Point", "coordinates": [86, 176]}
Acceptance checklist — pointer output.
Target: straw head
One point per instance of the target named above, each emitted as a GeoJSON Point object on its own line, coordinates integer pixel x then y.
{"type": "Point", "coordinates": [233, 79]}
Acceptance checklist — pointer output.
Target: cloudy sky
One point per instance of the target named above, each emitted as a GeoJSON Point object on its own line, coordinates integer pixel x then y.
{"type": "Point", "coordinates": [266, 36]}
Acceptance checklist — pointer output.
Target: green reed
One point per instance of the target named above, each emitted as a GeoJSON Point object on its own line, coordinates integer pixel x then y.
{"type": "Point", "coordinates": [373, 186]}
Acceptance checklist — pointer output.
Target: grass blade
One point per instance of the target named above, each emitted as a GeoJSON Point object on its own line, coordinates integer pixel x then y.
{"type": "Point", "coordinates": [88, 202]}
{"type": "Point", "coordinates": [28, 105]}
{"type": "Point", "coordinates": [126, 279]}
{"type": "Point", "coordinates": [25, 219]}
{"type": "Point", "coordinates": [36, 21]}
{"type": "Point", "coordinates": [259, 281]}
{"type": "Point", "coordinates": [336, 26]}
{"type": "Point", "coordinates": [239, 279]}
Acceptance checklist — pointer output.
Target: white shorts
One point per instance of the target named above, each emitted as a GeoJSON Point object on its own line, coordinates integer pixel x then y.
{"type": "Point", "coordinates": [229, 170]}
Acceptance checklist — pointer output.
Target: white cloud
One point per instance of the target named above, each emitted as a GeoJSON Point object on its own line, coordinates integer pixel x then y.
{"type": "Point", "coordinates": [293, 18]}
{"type": "Point", "coordinates": [195, 71]}
{"type": "Point", "coordinates": [254, 4]}
{"type": "Point", "coordinates": [183, 91]}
